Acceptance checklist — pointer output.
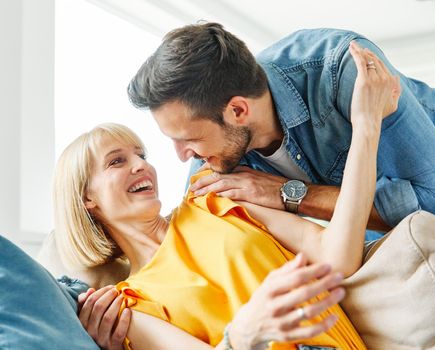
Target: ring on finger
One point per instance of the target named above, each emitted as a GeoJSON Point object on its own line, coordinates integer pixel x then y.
{"type": "Point", "coordinates": [371, 65]}
{"type": "Point", "coordinates": [301, 313]}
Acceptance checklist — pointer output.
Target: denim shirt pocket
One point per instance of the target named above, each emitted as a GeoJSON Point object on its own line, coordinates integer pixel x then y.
{"type": "Point", "coordinates": [335, 173]}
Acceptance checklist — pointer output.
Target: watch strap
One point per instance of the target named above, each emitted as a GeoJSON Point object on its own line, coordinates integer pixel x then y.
{"type": "Point", "coordinates": [291, 207]}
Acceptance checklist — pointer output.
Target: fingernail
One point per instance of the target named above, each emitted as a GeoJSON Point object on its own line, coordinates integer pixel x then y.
{"type": "Point", "coordinates": [326, 268]}
{"type": "Point", "coordinates": [341, 292]}
{"type": "Point", "coordinates": [338, 277]}
{"type": "Point", "coordinates": [332, 320]}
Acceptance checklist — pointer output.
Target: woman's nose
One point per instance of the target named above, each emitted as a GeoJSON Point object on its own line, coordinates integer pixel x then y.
{"type": "Point", "coordinates": [139, 165]}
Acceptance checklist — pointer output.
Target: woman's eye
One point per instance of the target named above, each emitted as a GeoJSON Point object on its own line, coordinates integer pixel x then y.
{"type": "Point", "coordinates": [116, 161]}
{"type": "Point", "coordinates": [143, 156]}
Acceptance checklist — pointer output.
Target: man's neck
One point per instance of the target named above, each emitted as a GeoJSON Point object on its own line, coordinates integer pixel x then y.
{"type": "Point", "coordinates": [267, 133]}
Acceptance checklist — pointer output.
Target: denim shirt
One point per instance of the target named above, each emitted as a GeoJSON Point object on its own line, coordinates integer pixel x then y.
{"type": "Point", "coordinates": [311, 75]}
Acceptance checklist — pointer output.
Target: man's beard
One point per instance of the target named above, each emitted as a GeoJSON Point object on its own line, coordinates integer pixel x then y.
{"type": "Point", "coordinates": [237, 139]}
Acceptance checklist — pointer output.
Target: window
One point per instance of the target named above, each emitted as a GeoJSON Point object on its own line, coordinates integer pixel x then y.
{"type": "Point", "coordinates": [96, 55]}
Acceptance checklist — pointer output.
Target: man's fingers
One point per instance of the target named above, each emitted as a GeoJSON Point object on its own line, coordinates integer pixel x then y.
{"type": "Point", "coordinates": [204, 166]}
{"type": "Point", "coordinates": [234, 194]}
{"type": "Point", "coordinates": [205, 181]}
{"type": "Point", "coordinates": [215, 183]}
{"type": "Point", "coordinates": [245, 169]}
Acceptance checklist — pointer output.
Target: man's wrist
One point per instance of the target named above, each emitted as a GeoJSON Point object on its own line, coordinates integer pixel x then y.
{"type": "Point", "coordinates": [320, 201]}
{"type": "Point", "coordinates": [292, 194]}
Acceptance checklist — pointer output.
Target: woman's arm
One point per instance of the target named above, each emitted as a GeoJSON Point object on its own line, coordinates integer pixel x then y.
{"type": "Point", "coordinates": [341, 243]}
{"type": "Point", "coordinates": [272, 313]}
{"type": "Point", "coordinates": [148, 332]}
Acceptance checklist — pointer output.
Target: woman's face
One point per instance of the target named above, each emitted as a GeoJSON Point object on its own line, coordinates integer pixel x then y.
{"type": "Point", "coordinates": [123, 185]}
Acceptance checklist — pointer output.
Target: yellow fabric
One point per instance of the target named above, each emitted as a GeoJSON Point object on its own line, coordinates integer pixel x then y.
{"type": "Point", "coordinates": [212, 259]}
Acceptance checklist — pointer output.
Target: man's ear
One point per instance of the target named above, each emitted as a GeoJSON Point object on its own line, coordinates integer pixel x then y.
{"type": "Point", "coordinates": [237, 111]}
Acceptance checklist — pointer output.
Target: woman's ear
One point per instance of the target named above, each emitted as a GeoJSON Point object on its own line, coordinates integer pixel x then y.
{"type": "Point", "coordinates": [89, 202]}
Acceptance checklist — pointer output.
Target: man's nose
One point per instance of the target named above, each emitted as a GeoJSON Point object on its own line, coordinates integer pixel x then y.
{"type": "Point", "coordinates": [183, 152]}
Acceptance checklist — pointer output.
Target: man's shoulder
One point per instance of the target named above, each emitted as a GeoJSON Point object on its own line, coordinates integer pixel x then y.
{"type": "Point", "coordinates": [307, 45]}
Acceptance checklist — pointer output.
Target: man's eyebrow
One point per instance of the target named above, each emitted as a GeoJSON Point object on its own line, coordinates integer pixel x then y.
{"type": "Point", "coordinates": [181, 139]}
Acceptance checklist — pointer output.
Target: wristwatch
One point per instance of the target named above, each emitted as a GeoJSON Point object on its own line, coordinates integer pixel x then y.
{"type": "Point", "coordinates": [292, 193]}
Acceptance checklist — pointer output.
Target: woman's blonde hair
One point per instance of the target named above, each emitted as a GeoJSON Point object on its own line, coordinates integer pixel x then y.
{"type": "Point", "coordinates": [82, 241]}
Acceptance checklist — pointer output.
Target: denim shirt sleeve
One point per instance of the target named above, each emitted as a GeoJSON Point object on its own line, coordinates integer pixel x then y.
{"type": "Point", "coordinates": [74, 287]}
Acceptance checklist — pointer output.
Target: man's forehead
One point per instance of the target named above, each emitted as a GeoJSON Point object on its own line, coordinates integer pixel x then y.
{"type": "Point", "coordinates": [179, 125]}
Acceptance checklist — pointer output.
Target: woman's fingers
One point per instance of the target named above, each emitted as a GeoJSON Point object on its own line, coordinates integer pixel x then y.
{"type": "Point", "coordinates": [306, 332]}
{"type": "Point", "coordinates": [358, 57]}
{"type": "Point", "coordinates": [108, 321]}
{"type": "Point", "coordinates": [89, 301]}
{"type": "Point", "coordinates": [83, 297]}
{"type": "Point", "coordinates": [120, 332]}
{"type": "Point", "coordinates": [285, 303]}
{"type": "Point", "coordinates": [286, 279]}
{"type": "Point", "coordinates": [96, 306]}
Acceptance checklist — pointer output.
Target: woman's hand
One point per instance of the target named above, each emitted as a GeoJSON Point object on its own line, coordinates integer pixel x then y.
{"type": "Point", "coordinates": [376, 92]}
{"type": "Point", "coordinates": [98, 312]}
{"type": "Point", "coordinates": [274, 312]}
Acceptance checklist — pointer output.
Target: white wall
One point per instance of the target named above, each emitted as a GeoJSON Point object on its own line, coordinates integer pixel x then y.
{"type": "Point", "coordinates": [10, 97]}
{"type": "Point", "coordinates": [27, 120]}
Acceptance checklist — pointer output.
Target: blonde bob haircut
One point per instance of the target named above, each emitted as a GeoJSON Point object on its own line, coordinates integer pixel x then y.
{"type": "Point", "coordinates": [81, 240]}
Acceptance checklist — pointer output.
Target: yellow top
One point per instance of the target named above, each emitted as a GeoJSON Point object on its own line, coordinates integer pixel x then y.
{"type": "Point", "coordinates": [214, 256]}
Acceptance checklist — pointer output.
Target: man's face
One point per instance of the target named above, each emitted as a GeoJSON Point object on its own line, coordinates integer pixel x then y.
{"type": "Point", "coordinates": [221, 147]}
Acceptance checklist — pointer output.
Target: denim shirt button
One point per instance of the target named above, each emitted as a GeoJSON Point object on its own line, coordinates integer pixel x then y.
{"type": "Point", "coordinates": [298, 156]}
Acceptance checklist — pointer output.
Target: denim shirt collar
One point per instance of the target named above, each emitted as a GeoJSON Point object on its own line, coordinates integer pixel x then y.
{"type": "Point", "coordinates": [290, 107]}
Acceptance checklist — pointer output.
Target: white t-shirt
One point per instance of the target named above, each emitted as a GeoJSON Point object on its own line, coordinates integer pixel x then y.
{"type": "Point", "coordinates": [283, 162]}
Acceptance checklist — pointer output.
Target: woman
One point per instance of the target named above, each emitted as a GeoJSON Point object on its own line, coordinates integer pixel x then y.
{"type": "Point", "coordinates": [173, 273]}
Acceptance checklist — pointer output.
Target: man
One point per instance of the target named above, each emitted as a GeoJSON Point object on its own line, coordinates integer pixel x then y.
{"type": "Point", "coordinates": [286, 116]}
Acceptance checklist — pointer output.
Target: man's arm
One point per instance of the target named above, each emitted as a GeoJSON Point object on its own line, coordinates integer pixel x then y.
{"type": "Point", "coordinates": [320, 203]}
{"type": "Point", "coordinates": [263, 189]}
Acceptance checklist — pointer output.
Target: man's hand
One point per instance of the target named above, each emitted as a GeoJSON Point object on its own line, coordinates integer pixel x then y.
{"type": "Point", "coordinates": [244, 184]}
{"type": "Point", "coordinates": [274, 311]}
{"type": "Point", "coordinates": [98, 311]}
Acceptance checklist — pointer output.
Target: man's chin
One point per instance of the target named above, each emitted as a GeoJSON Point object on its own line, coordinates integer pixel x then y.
{"type": "Point", "coordinates": [224, 168]}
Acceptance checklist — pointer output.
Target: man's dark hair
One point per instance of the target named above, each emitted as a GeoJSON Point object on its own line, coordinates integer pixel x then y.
{"type": "Point", "coordinates": [203, 66]}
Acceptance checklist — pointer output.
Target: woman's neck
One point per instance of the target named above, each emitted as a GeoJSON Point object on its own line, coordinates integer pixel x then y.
{"type": "Point", "coordinates": [139, 240]}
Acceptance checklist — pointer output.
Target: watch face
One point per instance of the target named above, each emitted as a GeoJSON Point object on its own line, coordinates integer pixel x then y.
{"type": "Point", "coordinates": [295, 189]}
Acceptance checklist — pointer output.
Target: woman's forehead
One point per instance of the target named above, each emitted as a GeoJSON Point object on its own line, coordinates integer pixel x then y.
{"type": "Point", "coordinates": [107, 141]}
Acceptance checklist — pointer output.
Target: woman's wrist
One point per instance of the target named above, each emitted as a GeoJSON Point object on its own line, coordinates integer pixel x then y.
{"type": "Point", "coordinates": [233, 340]}
{"type": "Point", "coordinates": [227, 341]}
